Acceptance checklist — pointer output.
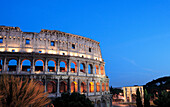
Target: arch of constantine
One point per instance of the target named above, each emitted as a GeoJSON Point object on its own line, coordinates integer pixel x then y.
{"type": "Point", "coordinates": [61, 62]}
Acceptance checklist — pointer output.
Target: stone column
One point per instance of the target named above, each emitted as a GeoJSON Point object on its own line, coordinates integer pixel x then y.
{"type": "Point", "coordinates": [58, 86]}
{"type": "Point", "coordinates": [100, 87]}
{"type": "Point", "coordinates": [130, 95]}
{"type": "Point", "coordinates": [46, 66]}
{"type": "Point", "coordinates": [86, 68]}
{"type": "Point", "coordinates": [69, 85]}
{"type": "Point", "coordinates": [125, 94]}
{"type": "Point", "coordinates": [94, 87]}
{"type": "Point", "coordinates": [99, 69]}
{"type": "Point", "coordinates": [18, 66]}
{"type": "Point", "coordinates": [33, 66]}
{"type": "Point", "coordinates": [93, 69]}
{"type": "Point", "coordinates": [4, 65]}
{"type": "Point", "coordinates": [57, 66]}
{"type": "Point", "coordinates": [87, 87]}
{"type": "Point", "coordinates": [68, 66]}
{"type": "Point", "coordinates": [78, 67]}
{"type": "Point", "coordinates": [79, 85]}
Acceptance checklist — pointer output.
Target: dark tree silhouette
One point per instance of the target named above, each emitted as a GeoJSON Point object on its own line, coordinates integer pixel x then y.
{"type": "Point", "coordinates": [138, 99]}
{"type": "Point", "coordinates": [72, 100]}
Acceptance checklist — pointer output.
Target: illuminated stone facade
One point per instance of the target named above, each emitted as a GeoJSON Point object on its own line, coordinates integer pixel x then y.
{"type": "Point", "coordinates": [130, 93]}
{"type": "Point", "coordinates": [61, 62]}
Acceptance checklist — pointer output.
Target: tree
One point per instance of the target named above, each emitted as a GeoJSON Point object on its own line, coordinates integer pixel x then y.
{"type": "Point", "coordinates": [138, 99]}
{"type": "Point", "coordinates": [18, 92]}
{"type": "Point", "coordinates": [72, 100]}
{"type": "Point", "coordinates": [163, 99]}
{"type": "Point", "coordinates": [146, 99]}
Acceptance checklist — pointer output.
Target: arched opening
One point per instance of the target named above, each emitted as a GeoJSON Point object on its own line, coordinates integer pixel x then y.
{"type": "Point", "coordinates": [63, 87]}
{"type": "Point", "coordinates": [51, 66]}
{"type": "Point", "coordinates": [12, 66]}
{"type": "Point", "coordinates": [74, 87]}
{"type": "Point", "coordinates": [73, 67]}
{"type": "Point", "coordinates": [82, 67]}
{"type": "Point", "coordinates": [90, 69]}
{"type": "Point", "coordinates": [98, 103]}
{"type": "Point", "coordinates": [104, 103]}
{"type": "Point", "coordinates": [91, 87]}
{"type": "Point", "coordinates": [103, 87]}
{"type": "Point", "coordinates": [63, 66]}
{"type": "Point", "coordinates": [39, 65]}
{"type": "Point", "coordinates": [98, 87]}
{"type": "Point", "coordinates": [26, 65]}
{"type": "Point", "coordinates": [102, 70]}
{"type": "Point", "coordinates": [1, 65]}
{"type": "Point", "coordinates": [83, 87]}
{"type": "Point", "coordinates": [107, 87]}
{"type": "Point", "coordinates": [96, 69]}
{"type": "Point", "coordinates": [51, 87]}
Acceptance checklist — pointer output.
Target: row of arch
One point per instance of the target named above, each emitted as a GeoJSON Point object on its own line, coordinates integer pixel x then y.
{"type": "Point", "coordinates": [39, 66]}
{"type": "Point", "coordinates": [52, 87]}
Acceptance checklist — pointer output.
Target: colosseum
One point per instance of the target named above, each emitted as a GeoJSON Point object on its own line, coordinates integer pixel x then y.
{"type": "Point", "coordinates": [61, 62]}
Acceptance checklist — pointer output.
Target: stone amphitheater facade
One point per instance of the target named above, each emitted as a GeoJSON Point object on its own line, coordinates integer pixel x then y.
{"type": "Point", "coordinates": [59, 61]}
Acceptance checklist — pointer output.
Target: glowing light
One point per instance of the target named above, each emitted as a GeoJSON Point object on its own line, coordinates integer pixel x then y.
{"type": "Point", "coordinates": [2, 49]}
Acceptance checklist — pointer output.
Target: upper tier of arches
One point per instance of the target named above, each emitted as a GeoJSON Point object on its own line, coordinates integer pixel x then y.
{"type": "Point", "coordinates": [12, 39]}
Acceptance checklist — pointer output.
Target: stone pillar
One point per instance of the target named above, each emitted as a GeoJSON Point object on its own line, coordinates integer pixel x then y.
{"type": "Point", "coordinates": [93, 69]}
{"type": "Point", "coordinates": [78, 67]}
{"type": "Point", "coordinates": [99, 69]}
{"type": "Point", "coordinates": [100, 87]}
{"type": "Point", "coordinates": [79, 85]}
{"type": "Point", "coordinates": [57, 66]}
{"type": "Point", "coordinates": [33, 66]}
{"type": "Point", "coordinates": [18, 66]}
{"type": "Point", "coordinates": [86, 68]}
{"type": "Point", "coordinates": [58, 86]}
{"type": "Point", "coordinates": [125, 94]}
{"type": "Point", "coordinates": [68, 66]}
{"type": "Point", "coordinates": [87, 87]}
{"type": "Point", "coordinates": [45, 66]}
{"type": "Point", "coordinates": [4, 65]}
{"type": "Point", "coordinates": [94, 87]}
{"type": "Point", "coordinates": [69, 85]}
{"type": "Point", "coordinates": [130, 95]}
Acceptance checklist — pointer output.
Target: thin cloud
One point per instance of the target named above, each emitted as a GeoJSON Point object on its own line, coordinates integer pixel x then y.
{"type": "Point", "coordinates": [135, 64]}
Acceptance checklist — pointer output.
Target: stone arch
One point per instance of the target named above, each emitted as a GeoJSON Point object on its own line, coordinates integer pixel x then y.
{"type": "Point", "coordinates": [98, 103]}
{"type": "Point", "coordinates": [91, 87]}
{"type": "Point", "coordinates": [104, 103]}
{"type": "Point", "coordinates": [103, 87]}
{"type": "Point", "coordinates": [63, 66]}
{"type": "Point", "coordinates": [90, 69]}
{"type": "Point", "coordinates": [97, 87]}
{"type": "Point", "coordinates": [12, 65]}
{"type": "Point", "coordinates": [82, 67]}
{"type": "Point", "coordinates": [73, 67]}
{"type": "Point", "coordinates": [51, 87]}
{"type": "Point", "coordinates": [74, 87]}
{"type": "Point", "coordinates": [26, 65]}
{"type": "Point", "coordinates": [51, 66]}
{"type": "Point", "coordinates": [83, 87]}
{"type": "Point", "coordinates": [97, 69]}
{"type": "Point", "coordinates": [102, 70]}
{"type": "Point", "coordinates": [39, 65]}
{"type": "Point", "coordinates": [63, 86]}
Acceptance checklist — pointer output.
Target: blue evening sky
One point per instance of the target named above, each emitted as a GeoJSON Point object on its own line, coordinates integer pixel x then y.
{"type": "Point", "coordinates": [134, 35]}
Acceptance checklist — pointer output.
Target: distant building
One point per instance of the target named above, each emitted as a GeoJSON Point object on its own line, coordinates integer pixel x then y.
{"type": "Point", "coordinates": [130, 93]}
{"type": "Point", "coordinates": [59, 61]}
